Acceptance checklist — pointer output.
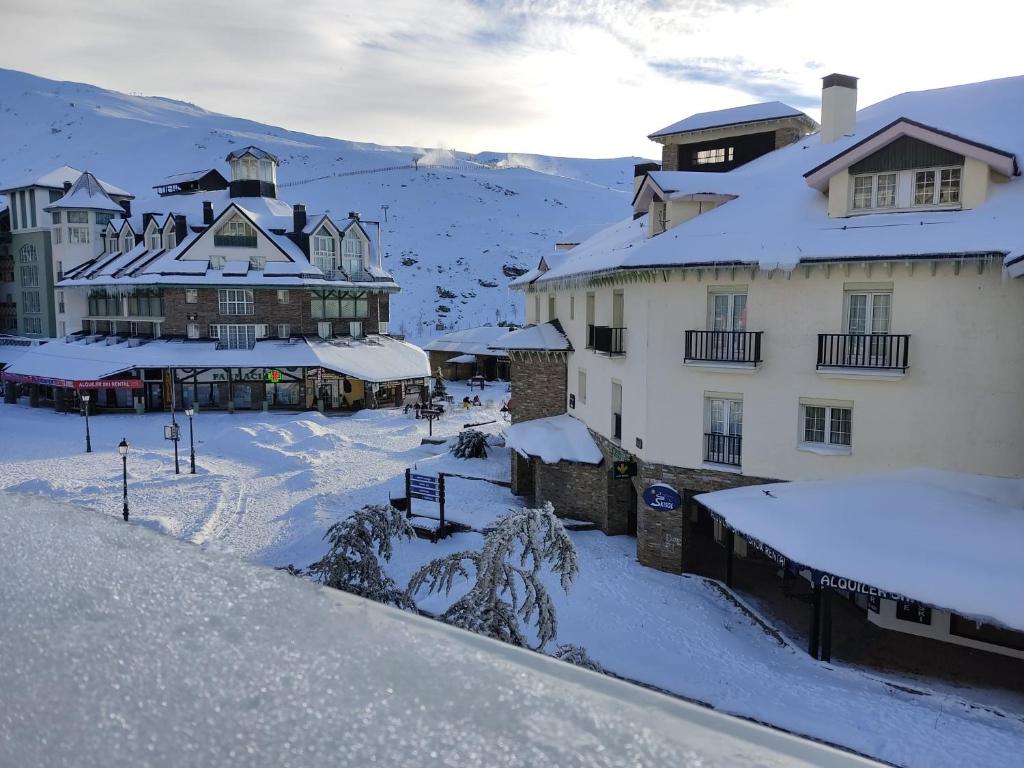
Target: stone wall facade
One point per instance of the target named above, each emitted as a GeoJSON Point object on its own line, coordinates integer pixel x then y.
{"type": "Point", "coordinates": [296, 311]}
{"type": "Point", "coordinates": [539, 384]}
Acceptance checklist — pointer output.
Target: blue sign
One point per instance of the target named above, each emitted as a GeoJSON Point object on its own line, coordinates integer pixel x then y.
{"type": "Point", "coordinates": [663, 497]}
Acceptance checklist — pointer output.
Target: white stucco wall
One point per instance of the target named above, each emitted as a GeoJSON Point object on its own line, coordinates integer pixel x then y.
{"type": "Point", "coordinates": [957, 407]}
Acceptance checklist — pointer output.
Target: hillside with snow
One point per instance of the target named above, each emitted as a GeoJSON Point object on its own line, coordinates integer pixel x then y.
{"type": "Point", "coordinates": [455, 233]}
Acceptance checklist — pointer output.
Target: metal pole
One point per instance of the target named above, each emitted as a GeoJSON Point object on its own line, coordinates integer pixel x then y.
{"type": "Point", "coordinates": [191, 445]}
{"type": "Point", "coordinates": [408, 492]}
{"type": "Point", "coordinates": [826, 624]}
{"type": "Point", "coordinates": [124, 463]}
{"type": "Point", "coordinates": [88, 437]}
{"type": "Point", "coordinates": [440, 503]}
{"type": "Point", "coordinates": [730, 545]}
{"type": "Point", "coordinates": [174, 429]}
{"type": "Point", "coordinates": [813, 642]}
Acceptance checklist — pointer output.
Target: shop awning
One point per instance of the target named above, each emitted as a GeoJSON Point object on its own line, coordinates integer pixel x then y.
{"type": "Point", "coordinates": [946, 539]}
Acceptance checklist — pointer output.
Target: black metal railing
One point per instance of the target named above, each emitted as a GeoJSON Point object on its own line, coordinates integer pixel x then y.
{"type": "Point", "coordinates": [235, 241]}
{"type": "Point", "coordinates": [610, 341]}
{"type": "Point", "coordinates": [877, 351]}
{"type": "Point", "coordinates": [723, 346]}
{"type": "Point", "coordinates": [722, 449]}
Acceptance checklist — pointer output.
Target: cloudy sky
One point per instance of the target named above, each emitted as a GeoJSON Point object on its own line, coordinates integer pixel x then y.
{"type": "Point", "coordinates": [570, 77]}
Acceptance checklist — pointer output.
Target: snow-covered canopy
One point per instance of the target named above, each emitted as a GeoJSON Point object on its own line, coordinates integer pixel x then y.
{"type": "Point", "coordinates": [750, 113]}
{"type": "Point", "coordinates": [776, 220]}
{"type": "Point", "coordinates": [554, 439]}
{"type": "Point", "coordinates": [375, 359]}
{"type": "Point", "coordinates": [86, 193]}
{"type": "Point", "coordinates": [467, 359]}
{"type": "Point", "coordinates": [948, 539]}
{"type": "Point", "coordinates": [469, 341]}
{"type": "Point", "coordinates": [123, 646]}
{"type": "Point", "coordinates": [546, 336]}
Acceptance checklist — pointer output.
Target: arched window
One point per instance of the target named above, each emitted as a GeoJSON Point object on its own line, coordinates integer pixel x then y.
{"type": "Point", "coordinates": [352, 253]}
{"type": "Point", "coordinates": [171, 237]}
{"type": "Point", "coordinates": [27, 254]}
{"type": "Point", "coordinates": [154, 239]}
{"type": "Point", "coordinates": [129, 242]}
{"type": "Point", "coordinates": [325, 255]}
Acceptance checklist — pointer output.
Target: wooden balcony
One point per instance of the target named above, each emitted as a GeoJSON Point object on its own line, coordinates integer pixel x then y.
{"type": "Point", "coordinates": [869, 352]}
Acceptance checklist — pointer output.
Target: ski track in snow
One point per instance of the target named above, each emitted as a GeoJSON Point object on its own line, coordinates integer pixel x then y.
{"type": "Point", "coordinates": [269, 485]}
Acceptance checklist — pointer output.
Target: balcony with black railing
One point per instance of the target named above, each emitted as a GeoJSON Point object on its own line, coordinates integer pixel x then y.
{"type": "Point", "coordinates": [722, 449]}
{"type": "Point", "coordinates": [886, 352]}
{"type": "Point", "coordinates": [729, 347]}
{"type": "Point", "coordinates": [606, 340]}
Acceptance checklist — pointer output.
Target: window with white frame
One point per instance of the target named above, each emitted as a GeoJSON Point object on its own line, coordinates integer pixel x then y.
{"type": "Point", "coordinates": [727, 310]}
{"type": "Point", "coordinates": [325, 253]}
{"type": "Point", "coordinates": [581, 386]}
{"type": "Point", "coordinates": [827, 425]}
{"type": "Point", "coordinates": [283, 297]}
{"type": "Point", "coordinates": [284, 331]}
{"type": "Point", "coordinates": [33, 325]}
{"type": "Point", "coordinates": [30, 277]}
{"type": "Point", "coordinates": [154, 240]}
{"type": "Point", "coordinates": [27, 254]}
{"type": "Point", "coordinates": [616, 410]}
{"type": "Point", "coordinates": [78, 217]}
{"type": "Point", "coordinates": [192, 330]}
{"type": "Point", "coordinates": [238, 227]}
{"type": "Point", "coordinates": [235, 301]}
{"type": "Point", "coordinates": [172, 238]}
{"type": "Point", "coordinates": [191, 295]}
{"type": "Point", "coordinates": [713, 156]}
{"type": "Point", "coordinates": [352, 253]}
{"type": "Point", "coordinates": [129, 242]}
{"type": "Point", "coordinates": [234, 336]}
{"type": "Point", "coordinates": [78, 235]}
{"type": "Point", "coordinates": [868, 311]}
{"type": "Point", "coordinates": [56, 217]}
{"type": "Point", "coordinates": [30, 301]}
{"type": "Point", "coordinates": [723, 429]}
{"type": "Point", "coordinates": [103, 218]}
{"type": "Point", "coordinates": [874, 190]}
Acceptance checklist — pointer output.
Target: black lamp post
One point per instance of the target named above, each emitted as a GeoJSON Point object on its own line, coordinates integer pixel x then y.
{"type": "Point", "coordinates": [190, 411]}
{"type": "Point", "coordinates": [86, 397]}
{"type": "Point", "coordinates": [122, 448]}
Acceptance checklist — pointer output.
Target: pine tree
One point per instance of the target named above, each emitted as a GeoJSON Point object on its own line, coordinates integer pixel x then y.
{"type": "Point", "coordinates": [577, 654]}
{"type": "Point", "coordinates": [440, 389]}
{"type": "Point", "coordinates": [358, 544]}
{"type": "Point", "coordinates": [508, 586]}
{"type": "Point", "coordinates": [470, 444]}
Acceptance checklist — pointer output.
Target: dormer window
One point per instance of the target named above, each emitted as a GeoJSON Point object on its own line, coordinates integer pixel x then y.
{"type": "Point", "coordinates": [172, 239]}
{"type": "Point", "coordinates": [946, 192]}
{"type": "Point", "coordinates": [875, 190]}
{"type": "Point", "coordinates": [713, 156]}
{"type": "Point", "coordinates": [352, 253]}
{"type": "Point", "coordinates": [906, 190]}
{"type": "Point", "coordinates": [129, 243]}
{"type": "Point", "coordinates": [325, 255]}
{"type": "Point", "coordinates": [236, 233]}
{"type": "Point", "coordinates": [154, 240]}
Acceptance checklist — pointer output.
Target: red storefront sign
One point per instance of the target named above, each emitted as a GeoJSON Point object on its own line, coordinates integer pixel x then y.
{"type": "Point", "coordinates": [47, 381]}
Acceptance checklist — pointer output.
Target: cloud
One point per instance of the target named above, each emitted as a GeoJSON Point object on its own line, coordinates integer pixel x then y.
{"type": "Point", "coordinates": [739, 75]}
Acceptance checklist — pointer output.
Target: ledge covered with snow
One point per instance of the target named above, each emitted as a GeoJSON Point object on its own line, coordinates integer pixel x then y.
{"type": "Point", "coordinates": [546, 336]}
{"type": "Point", "coordinates": [125, 647]}
{"type": "Point", "coordinates": [947, 539]}
{"type": "Point", "coordinates": [554, 439]}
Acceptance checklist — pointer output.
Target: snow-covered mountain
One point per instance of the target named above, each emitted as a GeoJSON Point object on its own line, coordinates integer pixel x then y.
{"type": "Point", "coordinates": [453, 235]}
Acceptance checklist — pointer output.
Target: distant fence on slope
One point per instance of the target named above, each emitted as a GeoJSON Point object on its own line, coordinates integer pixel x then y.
{"type": "Point", "coordinates": [457, 166]}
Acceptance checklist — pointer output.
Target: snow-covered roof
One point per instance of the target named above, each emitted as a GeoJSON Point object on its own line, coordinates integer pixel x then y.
{"type": "Point", "coordinates": [470, 341]}
{"type": "Point", "coordinates": [374, 359]}
{"type": "Point", "coordinates": [259, 154]}
{"type": "Point", "coordinates": [123, 646]}
{"type": "Point", "coordinates": [56, 179]}
{"type": "Point", "coordinates": [12, 347]}
{"type": "Point", "coordinates": [776, 220]}
{"type": "Point", "coordinates": [169, 267]}
{"type": "Point", "coordinates": [184, 178]}
{"type": "Point", "coordinates": [951, 540]}
{"type": "Point", "coordinates": [546, 336]}
{"type": "Point", "coordinates": [467, 359]}
{"type": "Point", "coordinates": [751, 113]}
{"type": "Point", "coordinates": [576, 235]}
{"type": "Point", "coordinates": [86, 193]}
{"type": "Point", "coordinates": [554, 439]}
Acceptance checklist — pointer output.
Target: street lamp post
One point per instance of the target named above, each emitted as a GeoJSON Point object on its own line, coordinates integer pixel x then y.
{"type": "Point", "coordinates": [122, 448]}
{"type": "Point", "coordinates": [191, 438]}
{"type": "Point", "coordinates": [86, 397]}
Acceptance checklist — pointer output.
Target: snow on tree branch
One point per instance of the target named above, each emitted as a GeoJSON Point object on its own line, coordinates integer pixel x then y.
{"type": "Point", "coordinates": [508, 589]}
{"type": "Point", "coordinates": [358, 544]}
{"type": "Point", "coordinates": [470, 444]}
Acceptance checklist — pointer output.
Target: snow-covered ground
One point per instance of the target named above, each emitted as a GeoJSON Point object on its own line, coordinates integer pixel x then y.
{"type": "Point", "coordinates": [269, 485]}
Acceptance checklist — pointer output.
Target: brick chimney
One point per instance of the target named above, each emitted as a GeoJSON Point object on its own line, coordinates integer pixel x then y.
{"type": "Point", "coordinates": [298, 218]}
{"type": "Point", "coordinates": [838, 106]}
{"type": "Point", "coordinates": [207, 213]}
{"type": "Point", "coordinates": [354, 215]}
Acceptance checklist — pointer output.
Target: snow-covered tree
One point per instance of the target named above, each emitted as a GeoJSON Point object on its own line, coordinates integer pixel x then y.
{"type": "Point", "coordinates": [508, 587]}
{"type": "Point", "coordinates": [358, 544]}
{"type": "Point", "coordinates": [440, 389]}
{"type": "Point", "coordinates": [470, 444]}
{"type": "Point", "coordinates": [577, 654]}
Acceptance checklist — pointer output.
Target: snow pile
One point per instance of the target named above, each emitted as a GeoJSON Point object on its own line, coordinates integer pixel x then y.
{"type": "Point", "coordinates": [471, 341]}
{"type": "Point", "coordinates": [546, 336]}
{"type": "Point", "coordinates": [122, 647]}
{"type": "Point", "coordinates": [947, 539]}
{"type": "Point", "coordinates": [554, 439]}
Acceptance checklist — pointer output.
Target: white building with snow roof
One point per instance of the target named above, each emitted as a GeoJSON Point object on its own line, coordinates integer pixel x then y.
{"type": "Point", "coordinates": [842, 304]}
{"type": "Point", "coordinates": [234, 270]}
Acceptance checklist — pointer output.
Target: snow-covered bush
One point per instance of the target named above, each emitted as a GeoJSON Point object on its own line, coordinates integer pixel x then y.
{"type": "Point", "coordinates": [358, 544]}
{"type": "Point", "coordinates": [577, 654]}
{"type": "Point", "coordinates": [470, 444]}
{"type": "Point", "coordinates": [508, 587]}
